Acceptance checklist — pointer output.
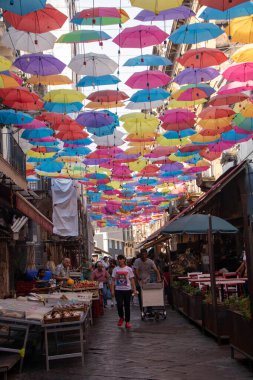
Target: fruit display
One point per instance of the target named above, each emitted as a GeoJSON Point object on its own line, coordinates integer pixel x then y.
{"type": "Point", "coordinates": [70, 282]}
{"type": "Point", "coordinates": [85, 284]}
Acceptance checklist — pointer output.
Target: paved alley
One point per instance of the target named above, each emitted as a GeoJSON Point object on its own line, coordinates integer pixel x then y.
{"type": "Point", "coordinates": [172, 349]}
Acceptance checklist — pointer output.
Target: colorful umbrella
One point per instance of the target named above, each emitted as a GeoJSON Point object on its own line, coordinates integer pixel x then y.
{"type": "Point", "coordinates": [34, 124]}
{"type": "Point", "coordinates": [241, 72]}
{"type": "Point", "coordinates": [93, 64]}
{"type": "Point", "coordinates": [13, 117]}
{"type": "Point", "coordinates": [5, 64]}
{"type": "Point", "coordinates": [114, 139]}
{"type": "Point", "coordinates": [20, 98]}
{"type": "Point", "coordinates": [33, 43]}
{"type": "Point", "coordinates": [83, 36]}
{"type": "Point", "coordinates": [195, 33]}
{"type": "Point", "coordinates": [95, 119]}
{"type": "Point", "coordinates": [64, 96]}
{"type": "Point", "coordinates": [240, 29]}
{"type": "Point", "coordinates": [202, 57]}
{"type": "Point", "coordinates": [148, 79]}
{"type": "Point", "coordinates": [226, 100]}
{"type": "Point", "coordinates": [6, 80]}
{"type": "Point", "coordinates": [235, 87]}
{"type": "Point", "coordinates": [149, 95]}
{"type": "Point", "coordinates": [50, 166]}
{"type": "Point", "coordinates": [196, 75]}
{"type": "Point", "coordinates": [178, 13]}
{"type": "Point", "coordinates": [244, 54]}
{"type": "Point", "coordinates": [49, 80]}
{"type": "Point", "coordinates": [93, 81]}
{"type": "Point", "coordinates": [193, 92]}
{"type": "Point", "coordinates": [140, 37]}
{"type": "Point", "coordinates": [244, 9]}
{"type": "Point", "coordinates": [39, 64]}
{"type": "Point", "coordinates": [36, 133]}
{"type": "Point", "coordinates": [22, 7]}
{"type": "Point", "coordinates": [156, 6]}
{"type": "Point", "coordinates": [216, 112]}
{"type": "Point", "coordinates": [98, 105]}
{"type": "Point", "coordinates": [40, 21]}
{"type": "Point", "coordinates": [107, 96]}
{"type": "Point", "coordinates": [54, 119]}
{"type": "Point", "coordinates": [148, 106]}
{"type": "Point", "coordinates": [97, 16]}
{"type": "Point", "coordinates": [244, 123]}
{"type": "Point", "coordinates": [148, 60]}
{"type": "Point", "coordinates": [222, 5]}
{"type": "Point", "coordinates": [63, 107]}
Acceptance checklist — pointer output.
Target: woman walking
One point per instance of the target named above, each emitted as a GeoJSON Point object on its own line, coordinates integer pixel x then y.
{"type": "Point", "coordinates": [123, 285]}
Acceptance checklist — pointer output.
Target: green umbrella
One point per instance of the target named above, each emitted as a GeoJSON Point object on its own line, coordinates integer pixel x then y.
{"type": "Point", "coordinates": [83, 36]}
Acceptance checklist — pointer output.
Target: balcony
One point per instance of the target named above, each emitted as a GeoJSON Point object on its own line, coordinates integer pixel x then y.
{"type": "Point", "coordinates": [43, 185]}
{"type": "Point", "coordinates": [15, 156]}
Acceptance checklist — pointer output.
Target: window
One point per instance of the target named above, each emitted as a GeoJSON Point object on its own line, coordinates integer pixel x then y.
{"type": "Point", "coordinates": [110, 244]}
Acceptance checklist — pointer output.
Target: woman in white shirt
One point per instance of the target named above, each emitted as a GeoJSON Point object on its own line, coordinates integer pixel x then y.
{"type": "Point", "coordinates": [123, 286]}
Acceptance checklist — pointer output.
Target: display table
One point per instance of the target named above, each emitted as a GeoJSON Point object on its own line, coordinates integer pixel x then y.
{"type": "Point", "coordinates": [20, 316]}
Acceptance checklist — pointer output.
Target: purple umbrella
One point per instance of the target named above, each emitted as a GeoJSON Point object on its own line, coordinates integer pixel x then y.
{"type": "Point", "coordinates": [191, 75]}
{"type": "Point", "coordinates": [173, 167]}
{"type": "Point", "coordinates": [39, 64]}
{"type": "Point", "coordinates": [94, 161]}
{"type": "Point", "coordinates": [179, 13]}
{"type": "Point", "coordinates": [94, 119]}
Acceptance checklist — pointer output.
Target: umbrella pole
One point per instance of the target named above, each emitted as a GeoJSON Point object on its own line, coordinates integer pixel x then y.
{"type": "Point", "coordinates": [212, 274]}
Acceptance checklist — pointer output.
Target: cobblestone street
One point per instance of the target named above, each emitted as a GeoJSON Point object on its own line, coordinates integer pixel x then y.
{"type": "Point", "coordinates": [172, 349]}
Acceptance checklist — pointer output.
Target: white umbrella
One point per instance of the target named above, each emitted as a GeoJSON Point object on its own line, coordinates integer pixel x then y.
{"type": "Point", "coordinates": [30, 42]}
{"type": "Point", "coordinates": [145, 105]}
{"type": "Point", "coordinates": [111, 140]}
{"type": "Point", "coordinates": [92, 64]}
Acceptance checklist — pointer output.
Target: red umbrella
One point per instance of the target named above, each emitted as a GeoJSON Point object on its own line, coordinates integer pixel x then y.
{"type": "Point", "coordinates": [225, 100]}
{"type": "Point", "coordinates": [179, 126]}
{"type": "Point", "coordinates": [41, 21]}
{"type": "Point", "coordinates": [71, 135]}
{"type": "Point", "coordinates": [222, 5]}
{"type": "Point", "coordinates": [21, 98]}
{"type": "Point", "coordinates": [202, 57]}
{"type": "Point", "coordinates": [216, 112]}
{"type": "Point", "coordinates": [107, 96]}
{"type": "Point", "coordinates": [71, 127]}
{"type": "Point", "coordinates": [54, 119]}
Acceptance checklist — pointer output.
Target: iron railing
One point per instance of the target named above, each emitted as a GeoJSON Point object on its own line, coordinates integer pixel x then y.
{"type": "Point", "coordinates": [15, 155]}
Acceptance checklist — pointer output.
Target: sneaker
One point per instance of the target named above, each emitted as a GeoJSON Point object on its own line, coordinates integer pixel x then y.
{"type": "Point", "coordinates": [128, 325]}
{"type": "Point", "coordinates": [121, 321]}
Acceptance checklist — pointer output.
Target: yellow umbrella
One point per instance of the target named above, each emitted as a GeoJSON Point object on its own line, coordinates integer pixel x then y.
{"type": "Point", "coordinates": [138, 165]}
{"type": "Point", "coordinates": [156, 6]}
{"type": "Point", "coordinates": [137, 116]}
{"type": "Point", "coordinates": [29, 166]}
{"type": "Point", "coordinates": [5, 64]}
{"type": "Point", "coordinates": [141, 137]}
{"type": "Point", "coordinates": [97, 169]}
{"type": "Point", "coordinates": [7, 81]}
{"type": "Point", "coordinates": [97, 105]}
{"type": "Point", "coordinates": [204, 139]}
{"type": "Point", "coordinates": [32, 153]}
{"type": "Point", "coordinates": [241, 29]}
{"type": "Point", "coordinates": [246, 109]}
{"type": "Point", "coordinates": [64, 96]}
{"type": "Point", "coordinates": [115, 184]}
{"type": "Point", "coordinates": [173, 157]}
{"type": "Point", "coordinates": [244, 54]}
{"type": "Point", "coordinates": [50, 80]}
{"type": "Point", "coordinates": [142, 150]}
{"type": "Point", "coordinates": [161, 140]}
{"type": "Point", "coordinates": [138, 143]}
{"type": "Point", "coordinates": [74, 159]}
{"type": "Point", "coordinates": [215, 123]}
{"type": "Point", "coordinates": [182, 104]}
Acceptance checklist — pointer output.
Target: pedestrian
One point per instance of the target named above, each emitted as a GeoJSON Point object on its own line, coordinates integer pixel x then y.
{"type": "Point", "coordinates": [105, 262]}
{"type": "Point", "coordinates": [112, 265]}
{"type": "Point", "coordinates": [101, 276]}
{"type": "Point", "coordinates": [86, 268]}
{"type": "Point", "coordinates": [123, 286]}
{"type": "Point", "coordinates": [144, 267]}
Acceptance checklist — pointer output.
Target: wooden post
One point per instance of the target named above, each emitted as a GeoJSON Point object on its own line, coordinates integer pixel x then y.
{"type": "Point", "coordinates": [212, 273]}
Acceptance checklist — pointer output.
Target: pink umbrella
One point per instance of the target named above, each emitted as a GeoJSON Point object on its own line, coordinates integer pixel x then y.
{"type": "Point", "coordinates": [121, 171]}
{"type": "Point", "coordinates": [140, 36]}
{"type": "Point", "coordinates": [235, 87]}
{"type": "Point", "coordinates": [161, 151]}
{"type": "Point", "coordinates": [148, 79]}
{"type": "Point", "coordinates": [33, 125]}
{"type": "Point", "coordinates": [177, 115]}
{"type": "Point", "coordinates": [220, 146]}
{"type": "Point", "coordinates": [241, 72]}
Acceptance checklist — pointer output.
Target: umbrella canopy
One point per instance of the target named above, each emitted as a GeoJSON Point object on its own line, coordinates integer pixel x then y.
{"type": "Point", "coordinates": [22, 7]}
{"type": "Point", "coordinates": [193, 92]}
{"type": "Point", "coordinates": [148, 79]}
{"type": "Point", "coordinates": [148, 60]}
{"type": "Point", "coordinates": [198, 224]}
{"type": "Point", "coordinates": [14, 117]}
{"type": "Point", "coordinates": [178, 13]}
{"type": "Point", "coordinates": [82, 36]}
{"type": "Point", "coordinates": [39, 64]}
{"type": "Point", "coordinates": [40, 21]}
{"type": "Point", "coordinates": [93, 81]}
{"type": "Point", "coordinates": [216, 112]}
{"type": "Point", "coordinates": [222, 5]}
{"type": "Point", "coordinates": [202, 57]}
{"type": "Point", "coordinates": [235, 87]}
{"type": "Point", "coordinates": [156, 6]}
{"type": "Point", "coordinates": [241, 10]}
{"type": "Point", "coordinates": [225, 100]}
{"type": "Point", "coordinates": [5, 64]}
{"type": "Point", "coordinates": [241, 72]}
{"type": "Point", "coordinates": [63, 107]}
{"type": "Point", "coordinates": [64, 96]}
{"type": "Point", "coordinates": [195, 33]}
{"type": "Point", "coordinates": [114, 139]}
{"type": "Point", "coordinates": [107, 96]}
{"type": "Point", "coordinates": [95, 119]}
{"type": "Point", "coordinates": [97, 16]}
{"type": "Point", "coordinates": [196, 75]}
{"type": "Point", "coordinates": [93, 64]}
{"type": "Point", "coordinates": [244, 54]}
{"type": "Point", "coordinates": [149, 95]}
{"type": "Point", "coordinates": [49, 80]}
{"type": "Point", "coordinates": [140, 36]}
{"type": "Point", "coordinates": [6, 80]}
{"type": "Point", "coordinates": [241, 29]}
{"type": "Point", "coordinates": [20, 98]}
{"type": "Point", "coordinates": [31, 42]}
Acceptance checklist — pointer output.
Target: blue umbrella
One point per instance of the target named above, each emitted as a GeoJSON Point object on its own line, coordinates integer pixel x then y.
{"type": "Point", "coordinates": [195, 33]}
{"type": "Point", "coordinates": [77, 151]}
{"type": "Point", "coordinates": [50, 167]}
{"type": "Point", "coordinates": [148, 182]}
{"type": "Point", "coordinates": [235, 137]}
{"type": "Point", "coordinates": [179, 135]}
{"type": "Point", "coordinates": [149, 95]}
{"type": "Point", "coordinates": [44, 143]}
{"type": "Point", "coordinates": [148, 60]}
{"type": "Point", "coordinates": [102, 80]}
{"type": "Point", "coordinates": [241, 10]}
{"type": "Point", "coordinates": [102, 131]}
{"type": "Point", "coordinates": [22, 7]}
{"type": "Point", "coordinates": [63, 107]}
{"type": "Point", "coordinates": [14, 117]}
{"type": "Point", "coordinates": [85, 141]}
{"type": "Point", "coordinates": [37, 133]}
{"type": "Point", "coordinates": [243, 122]}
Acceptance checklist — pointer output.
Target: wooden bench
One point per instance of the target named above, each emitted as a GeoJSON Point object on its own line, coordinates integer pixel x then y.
{"type": "Point", "coordinates": [7, 361]}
